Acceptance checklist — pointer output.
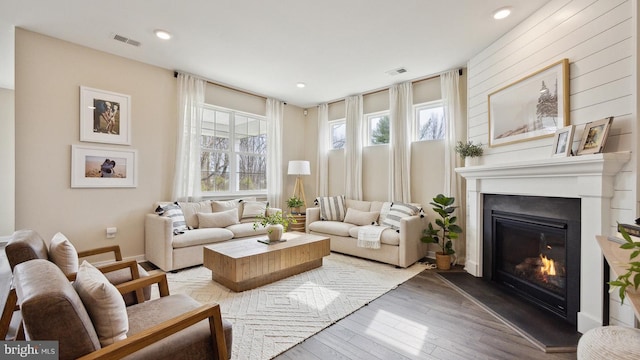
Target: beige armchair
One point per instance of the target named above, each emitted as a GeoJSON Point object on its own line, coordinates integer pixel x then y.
{"type": "Point", "coordinates": [172, 327]}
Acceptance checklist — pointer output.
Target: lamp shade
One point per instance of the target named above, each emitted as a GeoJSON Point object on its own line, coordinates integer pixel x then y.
{"type": "Point", "coordinates": [299, 167]}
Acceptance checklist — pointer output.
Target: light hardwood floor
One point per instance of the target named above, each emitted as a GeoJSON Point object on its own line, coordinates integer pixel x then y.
{"type": "Point", "coordinates": [421, 319]}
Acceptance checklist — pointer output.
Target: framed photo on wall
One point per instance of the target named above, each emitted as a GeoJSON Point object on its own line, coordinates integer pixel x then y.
{"type": "Point", "coordinates": [594, 136]}
{"type": "Point", "coordinates": [562, 141]}
{"type": "Point", "coordinates": [533, 107]}
{"type": "Point", "coordinates": [97, 167]}
{"type": "Point", "coordinates": [105, 116]}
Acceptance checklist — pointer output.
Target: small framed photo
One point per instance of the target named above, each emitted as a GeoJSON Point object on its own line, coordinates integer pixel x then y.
{"type": "Point", "coordinates": [96, 167]}
{"type": "Point", "coordinates": [594, 136]}
{"type": "Point", "coordinates": [562, 141]}
{"type": "Point", "coordinates": [105, 116]}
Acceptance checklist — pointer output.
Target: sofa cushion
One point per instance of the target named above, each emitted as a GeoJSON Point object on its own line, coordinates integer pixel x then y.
{"type": "Point", "coordinates": [251, 210]}
{"type": "Point", "coordinates": [399, 211]}
{"type": "Point", "coordinates": [388, 236]}
{"type": "Point", "coordinates": [191, 209]}
{"type": "Point", "coordinates": [246, 229]}
{"type": "Point", "coordinates": [104, 304]}
{"type": "Point", "coordinates": [360, 218]}
{"type": "Point", "coordinates": [358, 204]}
{"type": "Point", "coordinates": [219, 219]}
{"type": "Point", "coordinates": [217, 205]}
{"type": "Point", "coordinates": [201, 237]}
{"type": "Point", "coordinates": [63, 254]}
{"type": "Point", "coordinates": [338, 228]}
{"type": "Point", "coordinates": [332, 208]}
{"type": "Point", "coordinates": [174, 212]}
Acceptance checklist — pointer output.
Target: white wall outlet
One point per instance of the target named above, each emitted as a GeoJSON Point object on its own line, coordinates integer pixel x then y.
{"type": "Point", "coordinates": [111, 232]}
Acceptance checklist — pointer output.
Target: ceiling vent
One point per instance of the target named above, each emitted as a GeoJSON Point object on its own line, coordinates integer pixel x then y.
{"type": "Point", "coordinates": [397, 71]}
{"type": "Point", "coordinates": [126, 40]}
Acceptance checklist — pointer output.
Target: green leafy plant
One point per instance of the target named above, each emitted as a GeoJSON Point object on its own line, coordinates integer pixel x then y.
{"type": "Point", "coordinates": [443, 206]}
{"type": "Point", "coordinates": [632, 276]}
{"type": "Point", "coordinates": [294, 202]}
{"type": "Point", "coordinates": [469, 149]}
{"type": "Point", "coordinates": [274, 219]}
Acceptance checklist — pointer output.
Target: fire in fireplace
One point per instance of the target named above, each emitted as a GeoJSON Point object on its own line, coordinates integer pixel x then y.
{"type": "Point", "coordinates": [532, 246]}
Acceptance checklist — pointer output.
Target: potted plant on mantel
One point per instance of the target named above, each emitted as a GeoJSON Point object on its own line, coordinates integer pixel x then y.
{"type": "Point", "coordinates": [468, 151]}
{"type": "Point", "coordinates": [276, 223]}
{"type": "Point", "coordinates": [443, 206]}
{"type": "Point", "coordinates": [294, 203]}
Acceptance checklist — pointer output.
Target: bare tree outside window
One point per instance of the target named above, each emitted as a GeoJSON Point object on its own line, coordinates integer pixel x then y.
{"type": "Point", "coordinates": [338, 135]}
{"type": "Point", "coordinates": [431, 123]}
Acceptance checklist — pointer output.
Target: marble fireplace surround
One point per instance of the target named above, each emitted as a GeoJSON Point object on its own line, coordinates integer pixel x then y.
{"type": "Point", "coordinates": [588, 177]}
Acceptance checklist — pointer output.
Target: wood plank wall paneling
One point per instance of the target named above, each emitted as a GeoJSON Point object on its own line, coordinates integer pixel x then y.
{"type": "Point", "coordinates": [598, 37]}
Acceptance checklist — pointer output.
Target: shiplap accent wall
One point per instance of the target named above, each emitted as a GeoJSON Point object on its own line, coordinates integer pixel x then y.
{"type": "Point", "coordinates": [599, 39]}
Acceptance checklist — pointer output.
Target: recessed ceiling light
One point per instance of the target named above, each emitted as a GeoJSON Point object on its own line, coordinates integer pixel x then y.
{"type": "Point", "coordinates": [162, 34]}
{"type": "Point", "coordinates": [502, 13]}
{"type": "Point", "coordinates": [301, 85]}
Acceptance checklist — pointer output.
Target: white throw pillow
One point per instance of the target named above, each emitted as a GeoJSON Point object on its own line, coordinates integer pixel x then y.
{"type": "Point", "coordinates": [103, 302]}
{"type": "Point", "coordinates": [64, 254]}
{"type": "Point", "coordinates": [331, 208]}
{"type": "Point", "coordinates": [399, 211]}
{"type": "Point", "coordinates": [251, 209]}
{"type": "Point", "coordinates": [360, 218]}
{"type": "Point", "coordinates": [220, 219]}
{"type": "Point", "coordinates": [191, 209]}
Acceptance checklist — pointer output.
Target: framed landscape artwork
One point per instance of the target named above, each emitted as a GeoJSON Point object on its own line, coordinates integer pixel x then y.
{"type": "Point", "coordinates": [533, 107]}
{"type": "Point", "coordinates": [562, 142]}
{"type": "Point", "coordinates": [594, 136]}
{"type": "Point", "coordinates": [95, 167]}
{"type": "Point", "coordinates": [105, 116]}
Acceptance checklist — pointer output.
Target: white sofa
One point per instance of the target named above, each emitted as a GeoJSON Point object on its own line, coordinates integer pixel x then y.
{"type": "Point", "coordinates": [401, 248]}
{"type": "Point", "coordinates": [172, 252]}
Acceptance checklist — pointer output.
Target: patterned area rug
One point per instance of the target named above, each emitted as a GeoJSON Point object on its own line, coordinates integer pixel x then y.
{"type": "Point", "coordinates": [273, 318]}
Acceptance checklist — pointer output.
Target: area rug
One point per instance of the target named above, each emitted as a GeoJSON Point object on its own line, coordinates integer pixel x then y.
{"type": "Point", "coordinates": [271, 319]}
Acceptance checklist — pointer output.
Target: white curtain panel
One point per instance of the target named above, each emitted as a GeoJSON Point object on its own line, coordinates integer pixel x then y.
{"type": "Point", "coordinates": [353, 147]}
{"type": "Point", "coordinates": [324, 145]}
{"type": "Point", "coordinates": [400, 132]}
{"type": "Point", "coordinates": [455, 131]}
{"type": "Point", "coordinates": [275, 119]}
{"type": "Point", "coordinates": [186, 181]}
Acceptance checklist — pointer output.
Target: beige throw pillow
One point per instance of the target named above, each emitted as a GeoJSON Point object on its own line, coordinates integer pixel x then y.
{"type": "Point", "coordinates": [64, 254]}
{"type": "Point", "coordinates": [219, 219]}
{"type": "Point", "coordinates": [360, 218]}
{"type": "Point", "coordinates": [104, 304]}
{"type": "Point", "coordinates": [253, 208]}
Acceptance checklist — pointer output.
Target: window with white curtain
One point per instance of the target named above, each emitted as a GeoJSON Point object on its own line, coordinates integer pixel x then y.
{"type": "Point", "coordinates": [338, 133]}
{"type": "Point", "coordinates": [430, 122]}
{"type": "Point", "coordinates": [233, 152]}
{"type": "Point", "coordinates": [378, 128]}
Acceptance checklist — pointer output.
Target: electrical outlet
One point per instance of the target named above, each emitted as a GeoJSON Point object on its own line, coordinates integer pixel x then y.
{"type": "Point", "coordinates": [111, 232]}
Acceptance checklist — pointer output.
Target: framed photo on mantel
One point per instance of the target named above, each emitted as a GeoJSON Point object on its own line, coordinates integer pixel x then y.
{"type": "Point", "coordinates": [594, 136]}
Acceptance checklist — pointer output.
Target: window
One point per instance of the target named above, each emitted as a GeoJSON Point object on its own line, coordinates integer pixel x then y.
{"type": "Point", "coordinates": [338, 134]}
{"type": "Point", "coordinates": [378, 128]}
{"type": "Point", "coordinates": [430, 122]}
{"type": "Point", "coordinates": [233, 152]}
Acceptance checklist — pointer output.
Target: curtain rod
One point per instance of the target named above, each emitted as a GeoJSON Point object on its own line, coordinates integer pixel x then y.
{"type": "Point", "coordinates": [175, 74]}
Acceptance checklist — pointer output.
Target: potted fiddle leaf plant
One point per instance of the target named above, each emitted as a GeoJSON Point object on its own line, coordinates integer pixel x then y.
{"type": "Point", "coordinates": [445, 230]}
{"type": "Point", "coordinates": [276, 223]}
{"type": "Point", "coordinates": [468, 151]}
{"type": "Point", "coordinates": [294, 203]}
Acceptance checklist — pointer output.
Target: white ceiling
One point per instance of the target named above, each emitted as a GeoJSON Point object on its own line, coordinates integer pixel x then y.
{"type": "Point", "coordinates": [337, 47]}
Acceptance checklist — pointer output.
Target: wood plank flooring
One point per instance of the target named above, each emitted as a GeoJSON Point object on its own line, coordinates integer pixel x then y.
{"type": "Point", "coordinates": [421, 319]}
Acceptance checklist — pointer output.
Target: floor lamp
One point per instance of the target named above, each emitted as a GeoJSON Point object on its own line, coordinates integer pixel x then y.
{"type": "Point", "coordinates": [299, 167]}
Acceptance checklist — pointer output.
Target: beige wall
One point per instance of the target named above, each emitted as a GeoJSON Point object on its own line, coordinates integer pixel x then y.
{"type": "Point", "coordinates": [7, 159]}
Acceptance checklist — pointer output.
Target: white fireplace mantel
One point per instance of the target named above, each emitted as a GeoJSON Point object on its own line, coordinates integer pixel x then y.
{"type": "Point", "coordinates": [588, 177]}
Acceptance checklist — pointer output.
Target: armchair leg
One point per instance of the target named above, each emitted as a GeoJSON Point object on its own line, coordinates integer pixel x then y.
{"type": "Point", "coordinates": [7, 313]}
{"type": "Point", "coordinates": [215, 324]}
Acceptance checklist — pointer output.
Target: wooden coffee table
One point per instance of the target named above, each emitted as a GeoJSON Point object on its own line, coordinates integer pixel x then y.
{"type": "Point", "coordinates": [247, 264]}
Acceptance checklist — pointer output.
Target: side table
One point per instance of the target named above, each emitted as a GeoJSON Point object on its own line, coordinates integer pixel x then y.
{"type": "Point", "coordinates": [300, 223]}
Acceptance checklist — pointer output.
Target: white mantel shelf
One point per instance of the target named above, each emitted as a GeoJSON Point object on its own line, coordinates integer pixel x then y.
{"type": "Point", "coordinates": [593, 164]}
{"type": "Point", "coordinates": [587, 177]}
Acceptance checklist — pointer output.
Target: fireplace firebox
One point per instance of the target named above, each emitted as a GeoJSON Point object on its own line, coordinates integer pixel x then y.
{"type": "Point", "coordinates": [532, 246]}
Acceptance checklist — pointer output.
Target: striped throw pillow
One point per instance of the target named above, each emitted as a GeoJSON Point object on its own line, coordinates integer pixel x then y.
{"type": "Point", "coordinates": [399, 211]}
{"type": "Point", "coordinates": [174, 211]}
{"type": "Point", "coordinates": [331, 208]}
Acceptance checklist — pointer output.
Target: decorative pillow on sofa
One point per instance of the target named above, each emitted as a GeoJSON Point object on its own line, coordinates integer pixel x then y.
{"type": "Point", "coordinates": [177, 216]}
{"type": "Point", "coordinates": [104, 304]}
{"type": "Point", "coordinates": [220, 219]}
{"type": "Point", "coordinates": [399, 211]}
{"type": "Point", "coordinates": [191, 209]}
{"type": "Point", "coordinates": [331, 208]}
{"type": "Point", "coordinates": [251, 210]}
{"type": "Point", "coordinates": [361, 218]}
{"type": "Point", "coordinates": [64, 254]}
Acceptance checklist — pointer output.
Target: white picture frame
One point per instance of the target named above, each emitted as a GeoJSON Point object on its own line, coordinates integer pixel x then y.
{"type": "Point", "coordinates": [105, 116]}
{"type": "Point", "coordinates": [99, 167]}
{"type": "Point", "coordinates": [594, 136]}
{"type": "Point", "coordinates": [562, 141]}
